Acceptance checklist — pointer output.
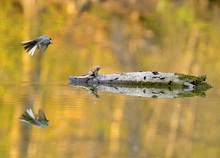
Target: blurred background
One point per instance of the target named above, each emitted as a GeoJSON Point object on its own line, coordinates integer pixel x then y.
{"type": "Point", "coordinates": [127, 35]}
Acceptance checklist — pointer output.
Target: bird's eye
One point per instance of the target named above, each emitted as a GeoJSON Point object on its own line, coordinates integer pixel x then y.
{"type": "Point", "coordinates": [50, 38]}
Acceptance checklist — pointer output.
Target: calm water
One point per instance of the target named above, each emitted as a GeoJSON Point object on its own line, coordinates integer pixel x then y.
{"type": "Point", "coordinates": [114, 125]}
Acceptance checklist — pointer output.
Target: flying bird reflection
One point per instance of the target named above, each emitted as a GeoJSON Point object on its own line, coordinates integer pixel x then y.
{"type": "Point", "coordinates": [39, 120]}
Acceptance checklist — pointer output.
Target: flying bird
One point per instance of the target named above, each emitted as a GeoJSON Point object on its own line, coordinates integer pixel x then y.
{"type": "Point", "coordinates": [39, 120]}
{"type": "Point", "coordinates": [40, 43]}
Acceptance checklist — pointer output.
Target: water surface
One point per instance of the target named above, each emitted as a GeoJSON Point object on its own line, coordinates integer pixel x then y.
{"type": "Point", "coordinates": [119, 40]}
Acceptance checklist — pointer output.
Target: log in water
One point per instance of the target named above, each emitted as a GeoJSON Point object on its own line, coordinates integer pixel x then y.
{"type": "Point", "coordinates": [148, 79]}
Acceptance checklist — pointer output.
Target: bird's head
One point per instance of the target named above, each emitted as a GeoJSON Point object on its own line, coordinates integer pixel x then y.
{"type": "Point", "coordinates": [51, 41]}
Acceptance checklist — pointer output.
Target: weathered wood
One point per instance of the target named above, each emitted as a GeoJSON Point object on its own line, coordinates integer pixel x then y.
{"type": "Point", "coordinates": [144, 79]}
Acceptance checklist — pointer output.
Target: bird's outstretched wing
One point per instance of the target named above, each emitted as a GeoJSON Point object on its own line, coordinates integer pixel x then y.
{"type": "Point", "coordinates": [41, 115]}
{"type": "Point", "coordinates": [43, 48]}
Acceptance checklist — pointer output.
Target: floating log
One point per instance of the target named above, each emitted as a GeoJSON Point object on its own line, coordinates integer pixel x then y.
{"type": "Point", "coordinates": [146, 79]}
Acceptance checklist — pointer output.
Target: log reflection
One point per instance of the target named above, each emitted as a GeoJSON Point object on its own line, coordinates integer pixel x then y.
{"type": "Point", "coordinates": [140, 91]}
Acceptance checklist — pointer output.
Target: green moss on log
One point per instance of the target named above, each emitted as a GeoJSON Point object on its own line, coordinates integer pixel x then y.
{"type": "Point", "coordinates": [191, 79]}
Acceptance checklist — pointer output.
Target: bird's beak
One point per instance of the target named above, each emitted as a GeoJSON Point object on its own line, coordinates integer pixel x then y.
{"type": "Point", "coordinates": [51, 42]}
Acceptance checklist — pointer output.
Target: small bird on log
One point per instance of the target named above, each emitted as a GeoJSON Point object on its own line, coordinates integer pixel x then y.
{"type": "Point", "coordinates": [93, 73]}
{"type": "Point", "coordinates": [40, 43]}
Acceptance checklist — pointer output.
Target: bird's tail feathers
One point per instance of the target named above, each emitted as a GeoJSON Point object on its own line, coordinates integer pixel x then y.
{"type": "Point", "coordinates": [31, 52]}
{"type": "Point", "coordinates": [28, 45]}
{"type": "Point", "coordinates": [27, 116]}
{"type": "Point", "coordinates": [30, 113]}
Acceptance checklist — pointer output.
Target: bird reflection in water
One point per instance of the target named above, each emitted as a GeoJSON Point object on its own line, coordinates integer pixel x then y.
{"type": "Point", "coordinates": [39, 120]}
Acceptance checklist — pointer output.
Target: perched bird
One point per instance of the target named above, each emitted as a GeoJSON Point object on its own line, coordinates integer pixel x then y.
{"type": "Point", "coordinates": [93, 73]}
{"type": "Point", "coordinates": [40, 43]}
{"type": "Point", "coordinates": [39, 120]}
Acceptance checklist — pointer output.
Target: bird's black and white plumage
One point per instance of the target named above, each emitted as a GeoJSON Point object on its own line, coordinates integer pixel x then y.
{"type": "Point", "coordinates": [40, 43]}
{"type": "Point", "coordinates": [39, 120]}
